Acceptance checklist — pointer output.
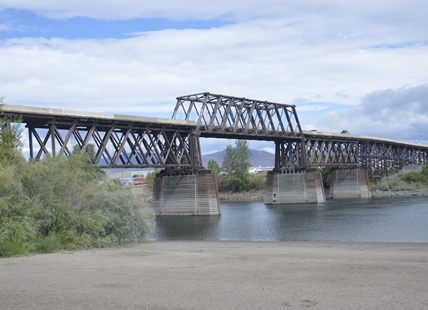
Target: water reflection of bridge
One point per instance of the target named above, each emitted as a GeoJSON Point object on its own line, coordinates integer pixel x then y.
{"type": "Point", "coordinates": [184, 186]}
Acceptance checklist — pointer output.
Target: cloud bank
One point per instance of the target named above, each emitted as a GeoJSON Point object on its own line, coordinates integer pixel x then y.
{"type": "Point", "coordinates": [345, 65]}
{"type": "Point", "coordinates": [400, 114]}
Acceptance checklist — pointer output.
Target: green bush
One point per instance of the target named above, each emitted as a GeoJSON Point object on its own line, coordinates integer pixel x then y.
{"type": "Point", "coordinates": [414, 177]}
{"type": "Point", "coordinates": [151, 178]}
{"type": "Point", "coordinates": [238, 184]}
{"type": "Point", "coordinates": [396, 184]}
{"type": "Point", "coordinates": [10, 248]}
{"type": "Point", "coordinates": [47, 244]}
{"type": "Point", "coordinates": [65, 203]}
{"type": "Point", "coordinates": [411, 180]}
{"type": "Point", "coordinates": [257, 181]}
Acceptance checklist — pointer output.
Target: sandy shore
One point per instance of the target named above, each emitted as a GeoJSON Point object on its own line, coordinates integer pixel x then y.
{"type": "Point", "coordinates": [221, 275]}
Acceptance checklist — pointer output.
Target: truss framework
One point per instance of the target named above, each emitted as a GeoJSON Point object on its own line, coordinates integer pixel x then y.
{"type": "Point", "coordinates": [381, 158]}
{"type": "Point", "coordinates": [331, 153]}
{"type": "Point", "coordinates": [384, 158]}
{"type": "Point", "coordinates": [226, 116]}
{"type": "Point", "coordinates": [118, 146]}
{"type": "Point", "coordinates": [128, 141]}
{"type": "Point", "coordinates": [289, 156]}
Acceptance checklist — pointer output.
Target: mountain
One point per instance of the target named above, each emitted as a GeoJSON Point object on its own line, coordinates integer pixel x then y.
{"type": "Point", "coordinates": [257, 158]}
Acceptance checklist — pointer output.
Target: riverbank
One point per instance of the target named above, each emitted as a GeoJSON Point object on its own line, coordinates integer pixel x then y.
{"type": "Point", "coordinates": [221, 275]}
{"type": "Point", "coordinates": [145, 193]}
{"type": "Point", "coordinates": [403, 193]}
{"type": "Point", "coordinates": [258, 195]}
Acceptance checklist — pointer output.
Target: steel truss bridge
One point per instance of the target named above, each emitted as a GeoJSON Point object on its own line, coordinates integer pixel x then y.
{"type": "Point", "coordinates": [124, 141]}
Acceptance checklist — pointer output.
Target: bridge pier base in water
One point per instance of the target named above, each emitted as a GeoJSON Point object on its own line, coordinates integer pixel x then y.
{"type": "Point", "coordinates": [349, 183]}
{"type": "Point", "coordinates": [186, 193]}
{"type": "Point", "coordinates": [294, 187]}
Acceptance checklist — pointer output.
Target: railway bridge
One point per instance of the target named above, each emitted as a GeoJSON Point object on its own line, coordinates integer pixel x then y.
{"type": "Point", "coordinates": [184, 186]}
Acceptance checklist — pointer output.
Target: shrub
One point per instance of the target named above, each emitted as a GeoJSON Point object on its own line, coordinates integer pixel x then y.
{"type": "Point", "coordinates": [47, 244]}
{"type": "Point", "coordinates": [237, 184]}
{"type": "Point", "coordinates": [66, 203]}
{"type": "Point", "coordinates": [414, 177]}
{"type": "Point", "coordinates": [257, 181]}
{"type": "Point", "coordinates": [9, 248]}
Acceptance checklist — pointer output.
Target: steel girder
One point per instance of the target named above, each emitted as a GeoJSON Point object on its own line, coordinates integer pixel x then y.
{"type": "Point", "coordinates": [383, 158]}
{"type": "Point", "coordinates": [233, 117]}
{"type": "Point", "coordinates": [380, 158]}
{"type": "Point", "coordinates": [128, 141]}
{"type": "Point", "coordinates": [331, 153]}
{"type": "Point", "coordinates": [302, 155]}
{"type": "Point", "coordinates": [289, 156]}
{"type": "Point", "coordinates": [118, 146]}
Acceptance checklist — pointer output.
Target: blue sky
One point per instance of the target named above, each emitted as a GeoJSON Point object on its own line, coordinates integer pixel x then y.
{"type": "Point", "coordinates": [26, 23]}
{"type": "Point", "coordinates": [360, 66]}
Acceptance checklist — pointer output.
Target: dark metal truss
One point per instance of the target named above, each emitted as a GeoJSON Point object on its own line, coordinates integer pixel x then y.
{"type": "Point", "coordinates": [289, 156]}
{"type": "Point", "coordinates": [384, 158]}
{"type": "Point", "coordinates": [330, 153]}
{"type": "Point", "coordinates": [381, 158]}
{"type": "Point", "coordinates": [139, 142]}
{"type": "Point", "coordinates": [118, 146]}
{"type": "Point", "coordinates": [233, 117]}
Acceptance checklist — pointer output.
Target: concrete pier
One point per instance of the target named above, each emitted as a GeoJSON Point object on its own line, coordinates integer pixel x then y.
{"type": "Point", "coordinates": [186, 194]}
{"type": "Point", "coordinates": [296, 187]}
{"type": "Point", "coordinates": [349, 183]}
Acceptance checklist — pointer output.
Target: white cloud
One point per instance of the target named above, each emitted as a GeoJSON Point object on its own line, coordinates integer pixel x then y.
{"type": "Point", "coordinates": [261, 59]}
{"type": "Point", "coordinates": [337, 12]}
{"type": "Point", "coordinates": [334, 52]}
{"type": "Point", "coordinates": [400, 114]}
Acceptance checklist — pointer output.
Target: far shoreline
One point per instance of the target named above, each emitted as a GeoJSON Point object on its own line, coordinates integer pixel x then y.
{"type": "Point", "coordinates": [258, 195]}
{"type": "Point", "coordinates": [145, 193]}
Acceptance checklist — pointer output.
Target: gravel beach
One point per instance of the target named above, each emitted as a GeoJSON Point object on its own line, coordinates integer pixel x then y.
{"type": "Point", "coordinates": [221, 275]}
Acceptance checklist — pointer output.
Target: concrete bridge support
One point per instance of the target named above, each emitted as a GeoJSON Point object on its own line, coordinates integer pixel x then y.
{"type": "Point", "coordinates": [193, 193]}
{"type": "Point", "coordinates": [349, 183]}
{"type": "Point", "coordinates": [295, 187]}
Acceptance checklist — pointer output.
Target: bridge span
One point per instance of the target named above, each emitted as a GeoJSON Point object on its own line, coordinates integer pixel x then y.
{"type": "Point", "coordinates": [184, 186]}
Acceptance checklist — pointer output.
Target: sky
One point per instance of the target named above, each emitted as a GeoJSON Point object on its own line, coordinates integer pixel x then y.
{"type": "Point", "coordinates": [355, 65]}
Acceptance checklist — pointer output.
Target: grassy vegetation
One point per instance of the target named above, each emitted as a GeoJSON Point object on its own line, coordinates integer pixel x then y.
{"type": "Point", "coordinates": [412, 180]}
{"type": "Point", "coordinates": [237, 184]}
{"type": "Point", "coordinates": [62, 203]}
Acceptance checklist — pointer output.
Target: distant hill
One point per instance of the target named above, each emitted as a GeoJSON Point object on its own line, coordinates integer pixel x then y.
{"type": "Point", "coordinates": [257, 158]}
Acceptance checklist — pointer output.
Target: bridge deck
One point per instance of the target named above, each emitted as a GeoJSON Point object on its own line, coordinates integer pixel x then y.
{"type": "Point", "coordinates": [140, 141]}
{"type": "Point", "coordinates": [311, 134]}
{"type": "Point", "coordinates": [45, 115]}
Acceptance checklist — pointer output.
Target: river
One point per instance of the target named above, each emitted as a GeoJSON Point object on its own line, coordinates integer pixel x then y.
{"type": "Point", "coordinates": [394, 219]}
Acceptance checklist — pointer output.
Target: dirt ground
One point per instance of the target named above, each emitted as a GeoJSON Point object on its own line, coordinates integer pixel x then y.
{"type": "Point", "coordinates": [221, 275]}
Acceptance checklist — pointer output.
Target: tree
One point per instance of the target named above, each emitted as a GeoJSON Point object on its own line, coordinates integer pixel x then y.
{"type": "Point", "coordinates": [151, 178]}
{"type": "Point", "coordinates": [90, 149]}
{"type": "Point", "coordinates": [214, 167]}
{"type": "Point", "coordinates": [10, 140]}
{"type": "Point", "coordinates": [235, 160]}
{"type": "Point", "coordinates": [242, 153]}
{"type": "Point", "coordinates": [235, 167]}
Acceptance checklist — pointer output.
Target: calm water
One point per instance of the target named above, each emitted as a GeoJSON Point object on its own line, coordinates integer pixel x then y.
{"type": "Point", "coordinates": [375, 220]}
